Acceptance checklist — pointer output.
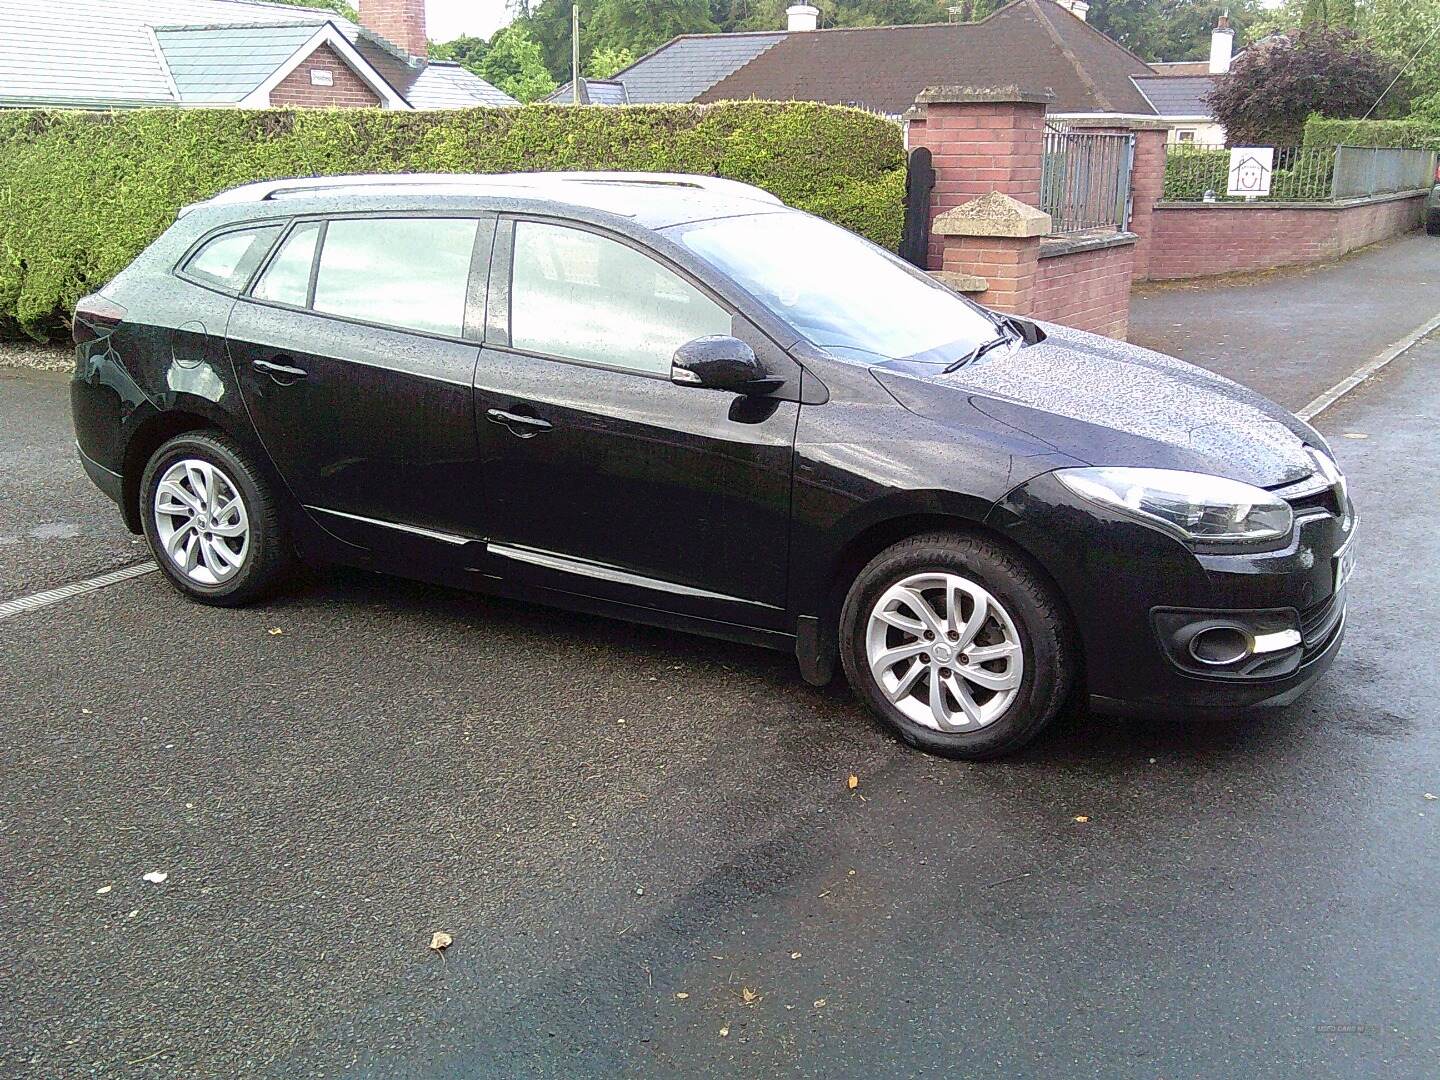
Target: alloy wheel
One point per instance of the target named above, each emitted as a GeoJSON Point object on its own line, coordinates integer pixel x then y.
{"type": "Point", "coordinates": [944, 652]}
{"type": "Point", "coordinates": [201, 522]}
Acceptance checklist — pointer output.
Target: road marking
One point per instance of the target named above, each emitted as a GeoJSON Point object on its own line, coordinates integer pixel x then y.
{"type": "Point", "coordinates": [33, 602]}
{"type": "Point", "coordinates": [1365, 371]}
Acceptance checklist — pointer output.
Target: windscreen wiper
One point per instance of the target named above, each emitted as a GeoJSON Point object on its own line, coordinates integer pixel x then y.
{"type": "Point", "coordinates": [981, 349]}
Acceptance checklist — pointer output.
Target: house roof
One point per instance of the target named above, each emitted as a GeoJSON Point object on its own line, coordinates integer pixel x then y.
{"type": "Point", "coordinates": [130, 53]}
{"type": "Point", "coordinates": [592, 92]}
{"type": "Point", "coordinates": [1177, 95]}
{"type": "Point", "coordinates": [1032, 43]}
{"type": "Point", "coordinates": [1181, 67]}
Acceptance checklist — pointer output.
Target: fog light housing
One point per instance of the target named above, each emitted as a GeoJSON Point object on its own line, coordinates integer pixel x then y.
{"type": "Point", "coordinates": [1231, 644]}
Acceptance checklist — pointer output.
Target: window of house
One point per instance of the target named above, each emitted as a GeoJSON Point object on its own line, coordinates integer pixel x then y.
{"type": "Point", "coordinates": [410, 273]}
{"type": "Point", "coordinates": [229, 259]}
{"type": "Point", "coordinates": [581, 296]}
{"type": "Point", "coordinates": [1184, 135]}
{"type": "Point", "coordinates": [287, 279]}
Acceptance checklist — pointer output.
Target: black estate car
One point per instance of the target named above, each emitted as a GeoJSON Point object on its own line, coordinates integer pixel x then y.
{"type": "Point", "coordinates": [675, 400]}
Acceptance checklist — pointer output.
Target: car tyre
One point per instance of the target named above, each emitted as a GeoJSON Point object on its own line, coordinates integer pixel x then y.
{"type": "Point", "coordinates": [1432, 227]}
{"type": "Point", "coordinates": [1024, 662]}
{"type": "Point", "coordinates": [212, 521]}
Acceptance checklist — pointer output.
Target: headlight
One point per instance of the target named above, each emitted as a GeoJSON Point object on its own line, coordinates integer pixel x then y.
{"type": "Point", "coordinates": [1195, 507]}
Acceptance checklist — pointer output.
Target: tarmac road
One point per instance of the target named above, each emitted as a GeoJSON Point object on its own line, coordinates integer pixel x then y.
{"type": "Point", "coordinates": [606, 818]}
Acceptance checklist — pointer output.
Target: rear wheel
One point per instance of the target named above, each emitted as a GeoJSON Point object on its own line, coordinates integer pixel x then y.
{"type": "Point", "coordinates": [957, 644]}
{"type": "Point", "coordinates": [1432, 226]}
{"type": "Point", "coordinates": [211, 520]}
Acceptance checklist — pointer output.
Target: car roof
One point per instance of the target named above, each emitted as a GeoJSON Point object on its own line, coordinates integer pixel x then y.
{"type": "Point", "coordinates": [650, 200]}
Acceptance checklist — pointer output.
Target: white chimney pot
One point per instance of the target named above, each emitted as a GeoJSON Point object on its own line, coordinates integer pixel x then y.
{"type": "Point", "coordinates": [1079, 8]}
{"type": "Point", "coordinates": [799, 17]}
{"type": "Point", "coordinates": [1222, 45]}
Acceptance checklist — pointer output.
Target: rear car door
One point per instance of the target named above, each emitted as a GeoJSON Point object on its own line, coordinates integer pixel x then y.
{"type": "Point", "coordinates": [355, 351]}
{"type": "Point", "coordinates": [604, 478]}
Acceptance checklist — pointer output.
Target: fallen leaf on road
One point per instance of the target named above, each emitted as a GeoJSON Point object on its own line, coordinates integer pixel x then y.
{"type": "Point", "coordinates": [681, 996]}
{"type": "Point", "coordinates": [275, 631]}
{"type": "Point", "coordinates": [156, 878]}
{"type": "Point", "coordinates": [1081, 818]}
{"type": "Point", "coordinates": [819, 1003]}
{"type": "Point", "coordinates": [85, 712]}
{"type": "Point", "coordinates": [724, 1031]}
{"type": "Point", "coordinates": [794, 956]}
{"type": "Point", "coordinates": [853, 782]}
{"type": "Point", "coordinates": [440, 941]}
{"type": "Point", "coordinates": [1430, 796]}
{"type": "Point", "coordinates": [748, 996]}
{"type": "Point", "coordinates": [132, 914]}
{"type": "Point", "coordinates": [103, 890]}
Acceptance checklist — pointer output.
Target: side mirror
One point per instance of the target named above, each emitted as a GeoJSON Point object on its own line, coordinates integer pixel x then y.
{"type": "Point", "coordinates": [720, 362]}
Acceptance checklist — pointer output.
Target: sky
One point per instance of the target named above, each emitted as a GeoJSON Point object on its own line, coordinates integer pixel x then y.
{"type": "Point", "coordinates": [446, 20]}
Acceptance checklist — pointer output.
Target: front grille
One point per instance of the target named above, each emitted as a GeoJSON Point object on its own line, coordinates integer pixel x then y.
{"type": "Point", "coordinates": [1319, 623]}
{"type": "Point", "coordinates": [1312, 495]}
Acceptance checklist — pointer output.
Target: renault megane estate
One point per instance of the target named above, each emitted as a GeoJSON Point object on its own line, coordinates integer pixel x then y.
{"type": "Point", "coordinates": [675, 400]}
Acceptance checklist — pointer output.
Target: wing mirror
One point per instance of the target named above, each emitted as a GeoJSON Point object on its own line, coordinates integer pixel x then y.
{"type": "Point", "coordinates": [721, 362]}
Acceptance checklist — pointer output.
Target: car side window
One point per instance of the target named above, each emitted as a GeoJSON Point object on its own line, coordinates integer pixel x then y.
{"type": "Point", "coordinates": [581, 296]}
{"type": "Point", "coordinates": [229, 259]}
{"type": "Point", "coordinates": [410, 273]}
{"type": "Point", "coordinates": [287, 279]}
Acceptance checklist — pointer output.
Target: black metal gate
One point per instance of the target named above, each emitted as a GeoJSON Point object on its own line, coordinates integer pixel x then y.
{"type": "Point", "coordinates": [919, 182]}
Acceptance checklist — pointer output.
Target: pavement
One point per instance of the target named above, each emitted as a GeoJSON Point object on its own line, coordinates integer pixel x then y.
{"type": "Point", "coordinates": [645, 848]}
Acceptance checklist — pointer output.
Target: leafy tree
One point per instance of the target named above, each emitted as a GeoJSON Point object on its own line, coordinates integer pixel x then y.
{"type": "Point", "coordinates": [465, 50]}
{"type": "Point", "coordinates": [1407, 32]}
{"type": "Point", "coordinates": [513, 64]}
{"type": "Point", "coordinates": [606, 61]}
{"type": "Point", "coordinates": [1331, 14]}
{"type": "Point", "coordinates": [642, 25]}
{"type": "Point", "coordinates": [338, 6]}
{"type": "Point", "coordinates": [1276, 84]}
{"type": "Point", "coordinates": [1171, 29]}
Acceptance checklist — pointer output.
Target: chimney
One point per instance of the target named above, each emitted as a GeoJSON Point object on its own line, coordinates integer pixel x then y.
{"type": "Point", "coordinates": [1078, 8]}
{"type": "Point", "coordinates": [801, 16]}
{"type": "Point", "coordinates": [1222, 43]}
{"type": "Point", "coordinates": [400, 22]}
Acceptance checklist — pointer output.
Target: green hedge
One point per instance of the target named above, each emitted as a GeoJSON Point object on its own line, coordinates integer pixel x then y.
{"type": "Point", "coordinates": [81, 194]}
{"type": "Point", "coordinates": [1320, 131]}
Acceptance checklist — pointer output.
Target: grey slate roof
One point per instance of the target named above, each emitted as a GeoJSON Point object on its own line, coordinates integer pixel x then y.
{"type": "Point", "coordinates": [688, 66]}
{"type": "Point", "coordinates": [592, 92]}
{"type": "Point", "coordinates": [110, 54]}
{"type": "Point", "coordinates": [224, 64]}
{"type": "Point", "coordinates": [1177, 95]}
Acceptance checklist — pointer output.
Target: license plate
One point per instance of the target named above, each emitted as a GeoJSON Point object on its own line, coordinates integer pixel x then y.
{"type": "Point", "coordinates": [1344, 564]}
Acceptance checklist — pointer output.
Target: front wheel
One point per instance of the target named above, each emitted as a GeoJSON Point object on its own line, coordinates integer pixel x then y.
{"type": "Point", "coordinates": [211, 520]}
{"type": "Point", "coordinates": [957, 644]}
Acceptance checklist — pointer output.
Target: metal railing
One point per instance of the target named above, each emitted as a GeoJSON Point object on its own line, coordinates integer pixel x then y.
{"type": "Point", "coordinates": [1196, 171]}
{"type": "Point", "coordinates": [1085, 180]}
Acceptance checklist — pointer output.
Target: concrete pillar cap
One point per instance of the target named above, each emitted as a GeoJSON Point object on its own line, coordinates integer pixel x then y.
{"type": "Point", "coordinates": [995, 95]}
{"type": "Point", "coordinates": [996, 214]}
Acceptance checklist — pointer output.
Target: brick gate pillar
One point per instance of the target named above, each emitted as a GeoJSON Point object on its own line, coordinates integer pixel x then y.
{"type": "Point", "coordinates": [990, 249]}
{"type": "Point", "coordinates": [980, 141]}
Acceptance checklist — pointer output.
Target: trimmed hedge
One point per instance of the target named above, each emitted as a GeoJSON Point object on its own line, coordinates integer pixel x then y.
{"type": "Point", "coordinates": [81, 194]}
{"type": "Point", "coordinates": [1320, 131]}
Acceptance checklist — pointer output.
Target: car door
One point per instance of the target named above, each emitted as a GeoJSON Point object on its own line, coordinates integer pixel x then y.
{"type": "Point", "coordinates": [604, 478]}
{"type": "Point", "coordinates": [355, 352]}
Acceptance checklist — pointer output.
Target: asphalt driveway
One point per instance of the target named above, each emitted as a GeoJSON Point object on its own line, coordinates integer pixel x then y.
{"type": "Point", "coordinates": [645, 848]}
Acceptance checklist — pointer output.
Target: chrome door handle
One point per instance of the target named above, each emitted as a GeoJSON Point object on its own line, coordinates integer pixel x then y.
{"type": "Point", "coordinates": [281, 373]}
{"type": "Point", "coordinates": [518, 423]}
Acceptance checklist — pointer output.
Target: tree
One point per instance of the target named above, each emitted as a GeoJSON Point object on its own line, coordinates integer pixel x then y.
{"type": "Point", "coordinates": [1171, 29]}
{"type": "Point", "coordinates": [339, 7]}
{"type": "Point", "coordinates": [606, 61]}
{"type": "Point", "coordinates": [642, 25]}
{"type": "Point", "coordinates": [1275, 85]}
{"type": "Point", "coordinates": [513, 64]}
{"type": "Point", "coordinates": [1407, 32]}
{"type": "Point", "coordinates": [467, 51]}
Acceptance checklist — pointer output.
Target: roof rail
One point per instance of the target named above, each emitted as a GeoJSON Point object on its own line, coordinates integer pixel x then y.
{"type": "Point", "coordinates": [314, 185]}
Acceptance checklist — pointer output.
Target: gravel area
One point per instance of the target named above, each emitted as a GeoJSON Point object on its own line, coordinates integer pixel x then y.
{"type": "Point", "coordinates": [31, 354]}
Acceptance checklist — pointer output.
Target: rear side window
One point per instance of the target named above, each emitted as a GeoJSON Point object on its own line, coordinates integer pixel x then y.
{"type": "Point", "coordinates": [229, 259]}
{"type": "Point", "coordinates": [287, 278]}
{"type": "Point", "coordinates": [586, 297]}
{"type": "Point", "coordinates": [410, 273]}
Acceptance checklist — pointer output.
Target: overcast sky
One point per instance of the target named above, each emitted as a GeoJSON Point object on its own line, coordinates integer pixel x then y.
{"type": "Point", "coordinates": [446, 20]}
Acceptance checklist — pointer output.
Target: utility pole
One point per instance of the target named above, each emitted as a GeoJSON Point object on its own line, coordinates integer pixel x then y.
{"type": "Point", "coordinates": [575, 53]}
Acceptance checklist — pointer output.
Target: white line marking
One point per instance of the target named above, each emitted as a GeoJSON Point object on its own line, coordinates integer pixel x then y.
{"type": "Point", "coordinates": [1365, 371]}
{"type": "Point", "coordinates": [33, 602]}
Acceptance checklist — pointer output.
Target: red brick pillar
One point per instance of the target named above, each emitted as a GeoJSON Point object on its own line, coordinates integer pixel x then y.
{"type": "Point", "coordinates": [980, 141]}
{"type": "Point", "coordinates": [993, 243]}
{"type": "Point", "coordinates": [1147, 187]}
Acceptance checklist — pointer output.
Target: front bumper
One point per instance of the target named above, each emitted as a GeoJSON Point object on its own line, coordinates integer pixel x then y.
{"type": "Point", "coordinates": [1135, 593]}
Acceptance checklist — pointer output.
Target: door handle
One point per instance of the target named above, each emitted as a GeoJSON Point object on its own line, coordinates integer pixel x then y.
{"type": "Point", "coordinates": [518, 423]}
{"type": "Point", "coordinates": [281, 373]}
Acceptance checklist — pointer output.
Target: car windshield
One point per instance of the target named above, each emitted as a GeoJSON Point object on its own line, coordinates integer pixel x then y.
{"type": "Point", "coordinates": [839, 291]}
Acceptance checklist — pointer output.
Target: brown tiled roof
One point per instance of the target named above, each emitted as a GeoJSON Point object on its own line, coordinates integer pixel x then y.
{"type": "Point", "coordinates": [1035, 44]}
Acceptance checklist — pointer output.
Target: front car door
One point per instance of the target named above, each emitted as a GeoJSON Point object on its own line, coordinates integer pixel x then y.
{"type": "Point", "coordinates": [604, 478]}
{"type": "Point", "coordinates": [355, 351]}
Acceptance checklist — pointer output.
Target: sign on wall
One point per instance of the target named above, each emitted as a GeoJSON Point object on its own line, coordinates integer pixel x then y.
{"type": "Point", "coordinates": [322, 77]}
{"type": "Point", "coordinates": [1250, 168]}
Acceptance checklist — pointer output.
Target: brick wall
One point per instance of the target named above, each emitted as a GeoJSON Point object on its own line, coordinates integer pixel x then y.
{"type": "Point", "coordinates": [1195, 240]}
{"type": "Point", "coordinates": [1085, 286]}
{"type": "Point", "coordinates": [1009, 265]}
{"type": "Point", "coordinates": [349, 91]}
